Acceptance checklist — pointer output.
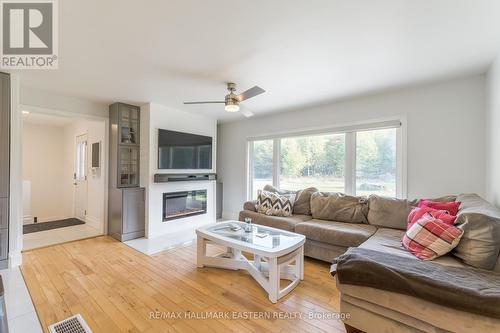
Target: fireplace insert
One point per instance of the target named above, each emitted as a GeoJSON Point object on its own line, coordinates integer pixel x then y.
{"type": "Point", "coordinates": [178, 205]}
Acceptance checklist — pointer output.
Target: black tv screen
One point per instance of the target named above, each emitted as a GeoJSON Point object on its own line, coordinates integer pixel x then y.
{"type": "Point", "coordinates": [177, 150]}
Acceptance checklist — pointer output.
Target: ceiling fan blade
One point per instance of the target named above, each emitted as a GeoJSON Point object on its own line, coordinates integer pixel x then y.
{"type": "Point", "coordinates": [208, 102]}
{"type": "Point", "coordinates": [252, 92]}
{"type": "Point", "coordinates": [246, 112]}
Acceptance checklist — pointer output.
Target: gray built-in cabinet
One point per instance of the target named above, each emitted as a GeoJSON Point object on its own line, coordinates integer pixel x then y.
{"type": "Point", "coordinates": [126, 212]}
{"type": "Point", "coordinates": [4, 167]}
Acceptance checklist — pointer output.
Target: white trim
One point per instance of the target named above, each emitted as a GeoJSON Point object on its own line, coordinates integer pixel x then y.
{"type": "Point", "coordinates": [78, 138]}
{"type": "Point", "coordinates": [276, 162]}
{"type": "Point", "coordinates": [27, 219]}
{"type": "Point", "coordinates": [93, 221]}
{"type": "Point", "coordinates": [249, 170]}
{"type": "Point", "coordinates": [230, 215]}
{"type": "Point", "coordinates": [15, 259]}
{"type": "Point", "coordinates": [104, 162]}
{"type": "Point", "coordinates": [43, 219]}
{"type": "Point", "coordinates": [373, 124]}
{"type": "Point", "coordinates": [402, 156]}
{"type": "Point", "coordinates": [350, 163]}
{"type": "Point", "coordinates": [16, 184]}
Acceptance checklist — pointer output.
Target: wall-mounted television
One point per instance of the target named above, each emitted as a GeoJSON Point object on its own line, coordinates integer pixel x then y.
{"type": "Point", "coordinates": [178, 150]}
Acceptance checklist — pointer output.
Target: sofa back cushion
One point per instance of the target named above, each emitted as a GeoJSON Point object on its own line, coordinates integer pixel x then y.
{"type": "Point", "coordinates": [302, 204]}
{"type": "Point", "coordinates": [389, 212]}
{"type": "Point", "coordinates": [289, 194]}
{"type": "Point", "coordinates": [480, 244]}
{"type": "Point", "coordinates": [339, 207]}
{"type": "Point", "coordinates": [450, 206]}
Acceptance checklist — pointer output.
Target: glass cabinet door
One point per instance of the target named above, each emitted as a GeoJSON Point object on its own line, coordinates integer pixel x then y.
{"type": "Point", "coordinates": [129, 125]}
{"type": "Point", "coordinates": [128, 166]}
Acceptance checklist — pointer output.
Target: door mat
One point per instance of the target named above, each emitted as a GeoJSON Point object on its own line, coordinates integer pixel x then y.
{"type": "Point", "coordinates": [36, 227]}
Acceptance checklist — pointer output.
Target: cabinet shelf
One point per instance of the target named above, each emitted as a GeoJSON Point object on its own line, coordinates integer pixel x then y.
{"type": "Point", "coordinates": [126, 213]}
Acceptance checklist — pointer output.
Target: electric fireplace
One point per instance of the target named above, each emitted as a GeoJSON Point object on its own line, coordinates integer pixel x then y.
{"type": "Point", "coordinates": [177, 205]}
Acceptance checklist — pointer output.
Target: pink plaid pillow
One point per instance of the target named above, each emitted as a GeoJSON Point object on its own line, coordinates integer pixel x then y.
{"type": "Point", "coordinates": [429, 237]}
{"type": "Point", "coordinates": [417, 213]}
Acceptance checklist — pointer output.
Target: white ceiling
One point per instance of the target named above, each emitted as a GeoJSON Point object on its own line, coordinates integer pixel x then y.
{"type": "Point", "coordinates": [301, 52]}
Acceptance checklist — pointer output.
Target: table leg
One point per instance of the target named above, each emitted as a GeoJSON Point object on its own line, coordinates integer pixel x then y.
{"type": "Point", "coordinates": [274, 280]}
{"type": "Point", "coordinates": [201, 250]}
{"type": "Point", "coordinates": [256, 261]}
{"type": "Point", "coordinates": [299, 261]}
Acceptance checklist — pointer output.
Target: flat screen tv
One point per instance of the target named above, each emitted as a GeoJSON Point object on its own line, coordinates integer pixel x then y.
{"type": "Point", "coordinates": [177, 150]}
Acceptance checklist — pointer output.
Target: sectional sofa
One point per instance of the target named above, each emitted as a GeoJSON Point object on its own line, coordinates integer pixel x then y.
{"type": "Point", "coordinates": [334, 222]}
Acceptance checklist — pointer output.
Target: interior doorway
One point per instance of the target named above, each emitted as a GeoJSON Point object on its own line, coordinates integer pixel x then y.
{"type": "Point", "coordinates": [64, 192]}
{"type": "Point", "coordinates": [80, 177]}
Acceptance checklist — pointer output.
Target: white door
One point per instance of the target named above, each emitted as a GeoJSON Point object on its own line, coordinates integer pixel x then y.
{"type": "Point", "coordinates": [80, 177]}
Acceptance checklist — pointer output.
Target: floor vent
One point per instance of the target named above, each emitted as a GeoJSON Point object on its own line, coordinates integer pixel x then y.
{"type": "Point", "coordinates": [74, 324]}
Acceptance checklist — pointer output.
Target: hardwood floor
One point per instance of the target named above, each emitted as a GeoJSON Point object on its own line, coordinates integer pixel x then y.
{"type": "Point", "coordinates": [117, 289]}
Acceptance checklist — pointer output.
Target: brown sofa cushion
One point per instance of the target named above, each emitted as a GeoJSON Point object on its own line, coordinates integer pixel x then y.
{"type": "Point", "coordinates": [389, 212]}
{"type": "Point", "coordinates": [389, 241]}
{"type": "Point", "coordinates": [250, 205]}
{"type": "Point", "coordinates": [302, 203]}
{"type": "Point", "coordinates": [336, 233]}
{"type": "Point", "coordinates": [339, 207]}
{"type": "Point", "coordinates": [286, 223]}
{"type": "Point", "coordinates": [480, 244]}
{"type": "Point", "coordinates": [289, 194]}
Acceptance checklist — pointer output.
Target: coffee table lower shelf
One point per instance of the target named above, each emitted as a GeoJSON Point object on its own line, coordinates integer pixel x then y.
{"type": "Point", "coordinates": [267, 271]}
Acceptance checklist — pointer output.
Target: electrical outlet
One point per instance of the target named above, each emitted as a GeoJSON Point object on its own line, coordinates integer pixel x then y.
{"type": "Point", "coordinates": [35, 219]}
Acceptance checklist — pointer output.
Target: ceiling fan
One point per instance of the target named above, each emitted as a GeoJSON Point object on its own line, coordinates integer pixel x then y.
{"type": "Point", "coordinates": [232, 101]}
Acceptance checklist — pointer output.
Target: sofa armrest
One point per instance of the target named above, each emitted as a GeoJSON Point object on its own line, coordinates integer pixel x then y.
{"type": "Point", "coordinates": [250, 205]}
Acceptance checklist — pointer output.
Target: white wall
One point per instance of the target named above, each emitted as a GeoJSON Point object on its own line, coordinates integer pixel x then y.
{"type": "Point", "coordinates": [445, 136]}
{"type": "Point", "coordinates": [493, 134]}
{"type": "Point", "coordinates": [153, 118]}
{"type": "Point", "coordinates": [49, 164]}
{"type": "Point", "coordinates": [43, 165]}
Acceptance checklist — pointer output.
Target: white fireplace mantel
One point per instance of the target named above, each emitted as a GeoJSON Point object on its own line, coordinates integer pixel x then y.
{"type": "Point", "coordinates": [154, 117]}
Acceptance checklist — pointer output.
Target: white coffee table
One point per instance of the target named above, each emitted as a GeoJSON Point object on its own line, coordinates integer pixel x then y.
{"type": "Point", "coordinates": [273, 255]}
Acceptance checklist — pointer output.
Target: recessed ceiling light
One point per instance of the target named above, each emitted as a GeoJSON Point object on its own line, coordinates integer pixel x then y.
{"type": "Point", "coordinates": [26, 112]}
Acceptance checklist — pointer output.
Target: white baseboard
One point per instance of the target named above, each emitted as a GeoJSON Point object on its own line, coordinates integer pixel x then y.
{"type": "Point", "coordinates": [49, 218]}
{"type": "Point", "coordinates": [15, 259]}
{"type": "Point", "coordinates": [94, 222]}
{"type": "Point", "coordinates": [230, 215]}
{"type": "Point", "coordinates": [27, 219]}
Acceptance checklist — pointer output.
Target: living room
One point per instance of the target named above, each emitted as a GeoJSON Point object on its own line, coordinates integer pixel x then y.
{"type": "Point", "coordinates": [260, 167]}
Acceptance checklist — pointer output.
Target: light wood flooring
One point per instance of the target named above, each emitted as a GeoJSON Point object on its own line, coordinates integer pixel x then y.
{"type": "Point", "coordinates": [116, 288]}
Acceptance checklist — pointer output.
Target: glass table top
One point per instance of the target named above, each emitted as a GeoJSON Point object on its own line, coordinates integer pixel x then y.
{"type": "Point", "coordinates": [260, 236]}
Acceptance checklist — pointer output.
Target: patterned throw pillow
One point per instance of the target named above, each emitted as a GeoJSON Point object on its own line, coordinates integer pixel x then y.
{"type": "Point", "coordinates": [273, 204]}
{"type": "Point", "coordinates": [429, 237]}
{"type": "Point", "coordinates": [451, 206]}
{"type": "Point", "coordinates": [417, 213]}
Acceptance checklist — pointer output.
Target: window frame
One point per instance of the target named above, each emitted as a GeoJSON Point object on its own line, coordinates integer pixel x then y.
{"type": "Point", "coordinates": [350, 132]}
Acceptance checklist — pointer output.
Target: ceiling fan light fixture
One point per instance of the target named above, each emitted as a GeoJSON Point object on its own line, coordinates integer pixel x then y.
{"type": "Point", "coordinates": [232, 107]}
{"type": "Point", "coordinates": [232, 101]}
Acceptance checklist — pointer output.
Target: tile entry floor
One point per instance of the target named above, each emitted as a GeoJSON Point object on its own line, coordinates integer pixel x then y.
{"type": "Point", "coordinates": [60, 235]}
{"type": "Point", "coordinates": [21, 315]}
